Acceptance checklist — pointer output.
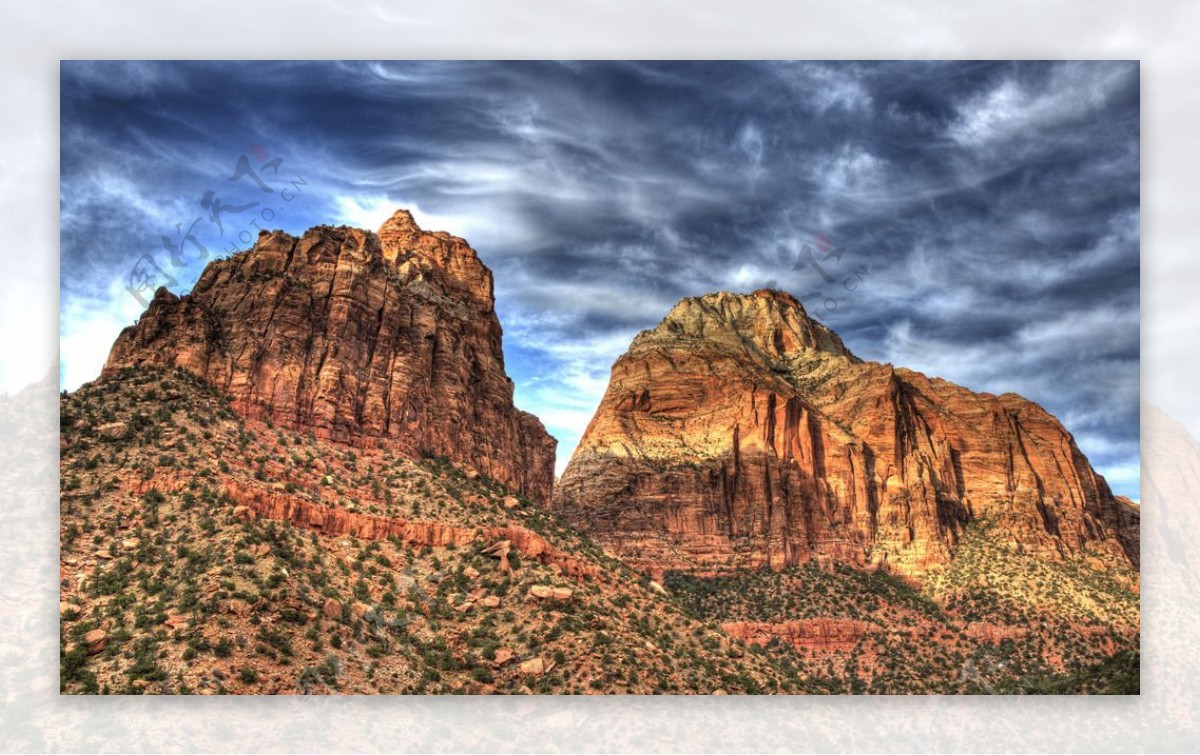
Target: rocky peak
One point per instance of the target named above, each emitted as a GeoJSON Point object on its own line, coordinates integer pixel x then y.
{"type": "Point", "coordinates": [361, 338]}
{"type": "Point", "coordinates": [741, 433]}
{"type": "Point", "coordinates": [771, 322]}
{"type": "Point", "coordinates": [401, 222]}
{"type": "Point", "coordinates": [436, 254]}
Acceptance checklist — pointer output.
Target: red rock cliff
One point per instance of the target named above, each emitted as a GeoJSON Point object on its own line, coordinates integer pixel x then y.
{"type": "Point", "coordinates": [739, 432]}
{"type": "Point", "coordinates": [361, 338]}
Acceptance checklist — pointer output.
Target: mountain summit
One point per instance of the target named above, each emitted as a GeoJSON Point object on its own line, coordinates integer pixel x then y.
{"type": "Point", "coordinates": [771, 322]}
{"type": "Point", "coordinates": [741, 433]}
{"type": "Point", "coordinates": [360, 338]}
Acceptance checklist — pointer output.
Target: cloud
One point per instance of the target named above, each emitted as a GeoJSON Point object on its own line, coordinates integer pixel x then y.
{"type": "Point", "coordinates": [87, 330]}
{"type": "Point", "coordinates": [995, 205]}
{"type": "Point", "coordinates": [1014, 106]}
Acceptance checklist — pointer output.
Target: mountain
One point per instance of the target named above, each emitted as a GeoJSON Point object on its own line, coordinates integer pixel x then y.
{"type": "Point", "coordinates": [308, 476]}
{"type": "Point", "coordinates": [206, 552]}
{"type": "Point", "coordinates": [881, 530]}
{"type": "Point", "coordinates": [741, 433]}
{"type": "Point", "coordinates": [357, 337]}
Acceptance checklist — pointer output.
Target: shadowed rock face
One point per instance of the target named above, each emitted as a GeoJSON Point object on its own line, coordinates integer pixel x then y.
{"type": "Point", "coordinates": [359, 337]}
{"type": "Point", "coordinates": [739, 432]}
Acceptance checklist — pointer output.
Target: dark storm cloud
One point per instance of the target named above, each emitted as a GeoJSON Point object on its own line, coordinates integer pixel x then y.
{"type": "Point", "coordinates": [995, 205]}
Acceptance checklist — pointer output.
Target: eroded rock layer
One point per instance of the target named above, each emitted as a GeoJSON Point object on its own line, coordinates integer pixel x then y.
{"type": "Point", "coordinates": [360, 338]}
{"type": "Point", "coordinates": [741, 433]}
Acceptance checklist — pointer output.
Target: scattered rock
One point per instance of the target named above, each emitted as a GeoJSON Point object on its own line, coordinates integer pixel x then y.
{"type": "Point", "coordinates": [243, 513]}
{"type": "Point", "coordinates": [471, 572]}
{"type": "Point", "coordinates": [541, 592]}
{"type": "Point", "coordinates": [235, 606]}
{"type": "Point", "coordinates": [503, 656]}
{"type": "Point", "coordinates": [533, 667]}
{"type": "Point", "coordinates": [95, 640]}
{"type": "Point", "coordinates": [491, 601]}
{"type": "Point", "coordinates": [113, 430]}
{"type": "Point", "coordinates": [511, 502]}
{"type": "Point", "coordinates": [332, 610]}
{"type": "Point", "coordinates": [656, 587]}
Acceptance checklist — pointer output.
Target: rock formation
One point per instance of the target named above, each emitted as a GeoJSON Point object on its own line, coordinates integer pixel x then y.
{"type": "Point", "coordinates": [358, 337]}
{"type": "Point", "coordinates": [333, 521]}
{"type": "Point", "coordinates": [741, 433]}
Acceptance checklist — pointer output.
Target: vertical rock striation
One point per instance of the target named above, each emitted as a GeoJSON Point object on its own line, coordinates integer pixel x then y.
{"type": "Point", "coordinates": [739, 432]}
{"type": "Point", "coordinates": [360, 338]}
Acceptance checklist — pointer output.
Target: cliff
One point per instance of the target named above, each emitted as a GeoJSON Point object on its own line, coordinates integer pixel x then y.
{"type": "Point", "coordinates": [741, 433]}
{"type": "Point", "coordinates": [361, 338]}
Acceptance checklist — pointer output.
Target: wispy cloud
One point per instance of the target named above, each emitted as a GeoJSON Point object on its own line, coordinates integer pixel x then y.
{"type": "Point", "coordinates": [996, 204]}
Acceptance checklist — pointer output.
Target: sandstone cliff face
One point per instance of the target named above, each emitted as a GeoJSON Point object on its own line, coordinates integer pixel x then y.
{"type": "Point", "coordinates": [739, 432]}
{"type": "Point", "coordinates": [333, 521]}
{"type": "Point", "coordinates": [361, 338]}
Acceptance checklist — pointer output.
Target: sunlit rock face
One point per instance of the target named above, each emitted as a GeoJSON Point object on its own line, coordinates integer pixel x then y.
{"type": "Point", "coordinates": [741, 433]}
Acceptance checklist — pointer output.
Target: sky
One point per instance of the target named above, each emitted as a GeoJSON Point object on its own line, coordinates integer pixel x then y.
{"type": "Point", "coordinates": [985, 214]}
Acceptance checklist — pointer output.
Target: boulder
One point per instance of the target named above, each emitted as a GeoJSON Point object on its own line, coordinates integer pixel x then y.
{"type": "Point", "coordinates": [113, 430]}
{"type": "Point", "coordinates": [95, 641]}
{"type": "Point", "coordinates": [503, 656]}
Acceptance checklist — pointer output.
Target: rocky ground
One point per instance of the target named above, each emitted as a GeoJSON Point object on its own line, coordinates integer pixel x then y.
{"type": "Point", "coordinates": [995, 621]}
{"type": "Point", "coordinates": [185, 568]}
{"type": "Point", "coordinates": [170, 584]}
{"type": "Point", "coordinates": [308, 475]}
